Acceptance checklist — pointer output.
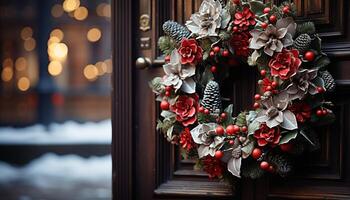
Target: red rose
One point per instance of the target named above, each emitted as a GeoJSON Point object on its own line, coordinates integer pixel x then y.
{"type": "Point", "coordinates": [285, 64]}
{"type": "Point", "coordinates": [190, 52]}
{"type": "Point", "coordinates": [302, 111]}
{"type": "Point", "coordinates": [213, 166]}
{"type": "Point", "coordinates": [185, 109]}
{"type": "Point", "coordinates": [186, 139]}
{"type": "Point", "coordinates": [240, 43]}
{"type": "Point", "coordinates": [266, 135]}
{"type": "Point", "coordinates": [244, 19]}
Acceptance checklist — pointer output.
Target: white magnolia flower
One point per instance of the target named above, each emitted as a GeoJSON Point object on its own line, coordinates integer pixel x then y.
{"type": "Point", "coordinates": [178, 75]}
{"type": "Point", "coordinates": [205, 136]}
{"type": "Point", "coordinates": [210, 17]}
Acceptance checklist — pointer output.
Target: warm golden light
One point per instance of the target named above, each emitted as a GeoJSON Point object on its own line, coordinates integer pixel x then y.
{"type": "Point", "coordinates": [109, 65]}
{"type": "Point", "coordinates": [53, 40]}
{"type": "Point", "coordinates": [58, 51]}
{"type": "Point", "coordinates": [21, 64]}
{"type": "Point", "coordinates": [26, 33]}
{"type": "Point", "coordinates": [57, 33]}
{"type": "Point", "coordinates": [57, 10]}
{"type": "Point", "coordinates": [94, 35]}
{"type": "Point", "coordinates": [81, 13]}
{"type": "Point", "coordinates": [90, 72]}
{"type": "Point", "coordinates": [8, 62]}
{"type": "Point", "coordinates": [107, 11]}
{"type": "Point", "coordinates": [70, 5]}
{"type": "Point", "coordinates": [55, 68]}
{"type": "Point", "coordinates": [99, 9]}
{"type": "Point", "coordinates": [23, 84]}
{"type": "Point", "coordinates": [7, 74]}
{"type": "Point", "coordinates": [29, 44]}
{"type": "Point", "coordinates": [101, 67]}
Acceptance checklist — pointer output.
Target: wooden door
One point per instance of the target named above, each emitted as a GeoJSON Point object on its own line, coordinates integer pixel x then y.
{"type": "Point", "coordinates": [146, 167]}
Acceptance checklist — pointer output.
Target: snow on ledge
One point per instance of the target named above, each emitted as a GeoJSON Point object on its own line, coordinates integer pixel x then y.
{"type": "Point", "coordinates": [66, 133]}
{"type": "Point", "coordinates": [51, 170]}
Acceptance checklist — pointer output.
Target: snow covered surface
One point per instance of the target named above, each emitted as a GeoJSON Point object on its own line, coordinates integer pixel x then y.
{"type": "Point", "coordinates": [68, 176]}
{"type": "Point", "coordinates": [66, 133]}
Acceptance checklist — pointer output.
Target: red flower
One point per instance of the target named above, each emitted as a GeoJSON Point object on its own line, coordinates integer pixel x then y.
{"type": "Point", "coordinates": [301, 110]}
{"type": "Point", "coordinates": [186, 140]}
{"type": "Point", "coordinates": [240, 43]}
{"type": "Point", "coordinates": [245, 18]}
{"type": "Point", "coordinates": [185, 109]}
{"type": "Point", "coordinates": [213, 166]}
{"type": "Point", "coordinates": [190, 52]}
{"type": "Point", "coordinates": [285, 64]}
{"type": "Point", "coordinates": [266, 135]}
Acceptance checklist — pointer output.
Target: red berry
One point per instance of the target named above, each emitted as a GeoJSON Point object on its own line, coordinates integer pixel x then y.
{"type": "Point", "coordinates": [268, 88]}
{"type": "Point", "coordinates": [324, 112]}
{"type": "Point", "coordinates": [206, 111]}
{"type": "Point", "coordinates": [213, 69]}
{"type": "Point", "coordinates": [164, 105]}
{"type": "Point", "coordinates": [257, 97]}
{"type": "Point", "coordinates": [263, 72]}
{"type": "Point", "coordinates": [236, 128]}
{"type": "Point", "coordinates": [201, 109]}
{"type": "Point", "coordinates": [271, 169]}
{"type": "Point", "coordinates": [264, 165]}
{"type": "Point", "coordinates": [230, 129]}
{"type": "Point", "coordinates": [219, 154]}
{"type": "Point", "coordinates": [236, 2]}
{"type": "Point", "coordinates": [167, 58]}
{"type": "Point", "coordinates": [235, 29]}
{"type": "Point", "coordinates": [319, 113]}
{"type": "Point", "coordinates": [168, 88]}
{"type": "Point", "coordinates": [216, 49]}
{"type": "Point", "coordinates": [244, 129]}
{"type": "Point", "coordinates": [286, 147]}
{"type": "Point", "coordinates": [167, 93]}
{"type": "Point", "coordinates": [285, 9]}
{"type": "Point", "coordinates": [256, 154]}
{"type": "Point", "coordinates": [267, 10]}
{"type": "Point", "coordinates": [273, 19]}
{"type": "Point", "coordinates": [256, 105]}
{"type": "Point", "coordinates": [212, 54]}
{"type": "Point", "coordinates": [309, 56]}
{"type": "Point", "coordinates": [274, 84]}
{"type": "Point", "coordinates": [223, 115]}
{"type": "Point", "coordinates": [231, 142]}
{"type": "Point", "coordinates": [264, 25]}
{"type": "Point", "coordinates": [219, 130]}
{"type": "Point", "coordinates": [320, 90]}
{"type": "Point", "coordinates": [225, 53]}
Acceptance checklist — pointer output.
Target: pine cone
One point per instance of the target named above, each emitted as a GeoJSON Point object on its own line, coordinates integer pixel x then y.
{"type": "Point", "coordinates": [211, 98]}
{"type": "Point", "coordinates": [176, 31]}
{"type": "Point", "coordinates": [302, 43]}
{"type": "Point", "coordinates": [282, 164]}
{"type": "Point", "coordinates": [329, 81]}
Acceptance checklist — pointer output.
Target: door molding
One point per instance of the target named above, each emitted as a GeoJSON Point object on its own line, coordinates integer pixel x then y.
{"type": "Point", "coordinates": [122, 115]}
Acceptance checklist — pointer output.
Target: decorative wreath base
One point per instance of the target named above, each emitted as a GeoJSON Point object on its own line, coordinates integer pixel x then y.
{"type": "Point", "coordinates": [290, 102]}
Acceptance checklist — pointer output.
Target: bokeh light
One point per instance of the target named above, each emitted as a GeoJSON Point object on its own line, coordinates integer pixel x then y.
{"type": "Point", "coordinates": [57, 10]}
{"type": "Point", "coordinates": [29, 44]}
{"type": "Point", "coordinates": [57, 33]}
{"type": "Point", "coordinates": [55, 68]}
{"type": "Point", "coordinates": [90, 72]}
{"type": "Point", "coordinates": [21, 64]}
{"type": "Point", "coordinates": [26, 33]}
{"type": "Point", "coordinates": [58, 51]}
{"type": "Point", "coordinates": [23, 84]}
{"type": "Point", "coordinates": [70, 5]}
{"type": "Point", "coordinates": [7, 74]}
{"type": "Point", "coordinates": [94, 35]}
{"type": "Point", "coordinates": [81, 13]}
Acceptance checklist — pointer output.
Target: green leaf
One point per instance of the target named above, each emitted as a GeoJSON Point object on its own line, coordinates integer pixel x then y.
{"type": "Point", "coordinates": [319, 82]}
{"type": "Point", "coordinates": [288, 136]}
{"type": "Point", "coordinates": [166, 44]}
{"type": "Point", "coordinates": [255, 125]}
{"type": "Point", "coordinates": [167, 114]}
{"type": "Point", "coordinates": [322, 61]}
{"type": "Point", "coordinates": [241, 119]}
{"type": "Point", "coordinates": [229, 110]}
{"type": "Point", "coordinates": [247, 150]}
{"type": "Point", "coordinates": [257, 7]}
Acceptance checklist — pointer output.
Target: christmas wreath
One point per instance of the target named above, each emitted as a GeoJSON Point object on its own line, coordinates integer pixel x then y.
{"type": "Point", "coordinates": [290, 103]}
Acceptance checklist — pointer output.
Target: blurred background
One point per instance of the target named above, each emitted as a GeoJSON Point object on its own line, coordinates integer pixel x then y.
{"type": "Point", "coordinates": [55, 130]}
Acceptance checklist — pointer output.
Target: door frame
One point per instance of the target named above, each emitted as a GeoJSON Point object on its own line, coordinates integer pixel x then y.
{"type": "Point", "coordinates": [122, 98]}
